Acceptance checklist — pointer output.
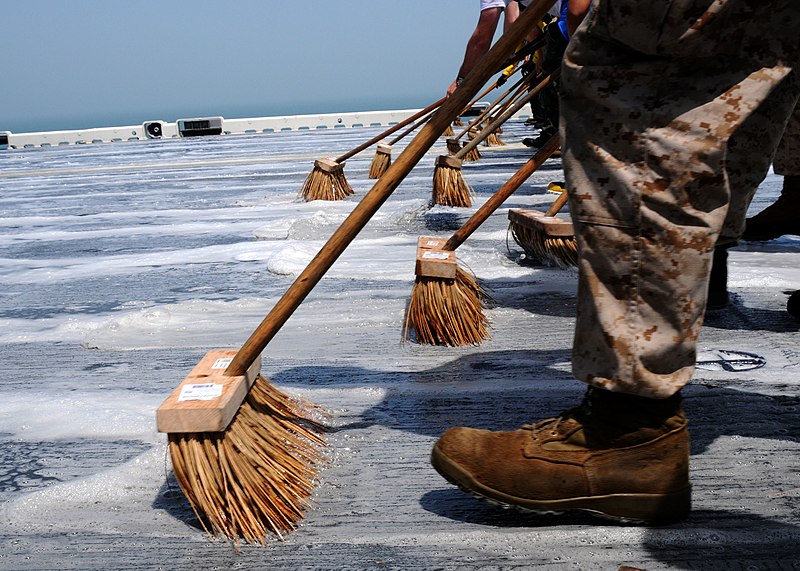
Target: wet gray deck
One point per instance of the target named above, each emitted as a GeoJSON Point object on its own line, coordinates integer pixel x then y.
{"type": "Point", "coordinates": [74, 499]}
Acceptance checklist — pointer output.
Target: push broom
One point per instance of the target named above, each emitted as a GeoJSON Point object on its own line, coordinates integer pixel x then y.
{"type": "Point", "coordinates": [543, 236]}
{"type": "Point", "coordinates": [383, 153]}
{"type": "Point", "coordinates": [446, 303]}
{"type": "Point", "coordinates": [251, 474]}
{"type": "Point", "coordinates": [449, 186]}
{"type": "Point", "coordinates": [327, 180]}
{"type": "Point", "coordinates": [494, 140]}
{"type": "Point", "coordinates": [473, 127]}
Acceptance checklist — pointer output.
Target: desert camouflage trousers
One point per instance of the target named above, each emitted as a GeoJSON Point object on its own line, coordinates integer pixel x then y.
{"type": "Point", "coordinates": [671, 113]}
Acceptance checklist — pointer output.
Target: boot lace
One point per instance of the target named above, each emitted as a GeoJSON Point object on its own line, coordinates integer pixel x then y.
{"type": "Point", "coordinates": [576, 415]}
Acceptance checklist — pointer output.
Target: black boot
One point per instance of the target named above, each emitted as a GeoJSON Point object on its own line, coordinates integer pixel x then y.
{"type": "Point", "coordinates": [779, 218]}
{"type": "Point", "coordinates": [793, 305]}
{"type": "Point", "coordinates": [540, 141]}
{"type": "Point", "coordinates": [718, 281]}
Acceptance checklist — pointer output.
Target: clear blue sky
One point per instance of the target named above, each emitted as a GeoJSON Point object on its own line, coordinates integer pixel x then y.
{"type": "Point", "coordinates": [92, 63]}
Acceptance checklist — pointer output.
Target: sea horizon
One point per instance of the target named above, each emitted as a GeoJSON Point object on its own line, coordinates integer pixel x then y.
{"type": "Point", "coordinates": [172, 114]}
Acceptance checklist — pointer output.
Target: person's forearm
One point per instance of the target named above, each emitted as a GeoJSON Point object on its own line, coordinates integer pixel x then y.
{"type": "Point", "coordinates": [476, 48]}
{"type": "Point", "coordinates": [481, 39]}
{"type": "Point", "coordinates": [479, 43]}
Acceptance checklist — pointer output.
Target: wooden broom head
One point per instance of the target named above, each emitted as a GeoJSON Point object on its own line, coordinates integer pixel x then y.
{"type": "Point", "coordinates": [545, 238]}
{"type": "Point", "coordinates": [381, 161]}
{"type": "Point", "coordinates": [206, 400]}
{"type": "Point", "coordinates": [448, 161]}
{"type": "Point", "coordinates": [255, 477]}
{"type": "Point", "coordinates": [453, 146]}
{"type": "Point", "coordinates": [328, 165]}
{"type": "Point", "coordinates": [326, 182]}
{"type": "Point", "coordinates": [446, 304]}
{"type": "Point", "coordinates": [449, 186]}
{"type": "Point", "coordinates": [434, 262]}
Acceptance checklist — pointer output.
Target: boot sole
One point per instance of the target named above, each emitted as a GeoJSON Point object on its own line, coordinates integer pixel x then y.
{"type": "Point", "coordinates": [638, 509]}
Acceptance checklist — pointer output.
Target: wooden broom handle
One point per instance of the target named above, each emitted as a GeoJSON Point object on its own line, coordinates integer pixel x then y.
{"type": "Point", "coordinates": [482, 115]}
{"type": "Point", "coordinates": [391, 130]}
{"type": "Point", "coordinates": [509, 188]}
{"type": "Point", "coordinates": [412, 128]}
{"type": "Point", "coordinates": [506, 104]}
{"type": "Point", "coordinates": [383, 188]}
{"type": "Point", "coordinates": [505, 116]}
{"type": "Point", "coordinates": [513, 60]}
{"type": "Point", "coordinates": [558, 203]}
{"type": "Point", "coordinates": [483, 94]}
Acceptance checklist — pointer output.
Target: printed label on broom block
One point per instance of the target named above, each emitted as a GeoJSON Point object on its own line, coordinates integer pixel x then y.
{"type": "Point", "coordinates": [207, 391]}
{"type": "Point", "coordinates": [537, 220]}
{"type": "Point", "coordinates": [430, 243]}
{"type": "Point", "coordinates": [207, 399]}
{"type": "Point", "coordinates": [435, 263]}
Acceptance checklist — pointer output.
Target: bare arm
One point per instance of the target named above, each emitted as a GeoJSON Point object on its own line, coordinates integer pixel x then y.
{"type": "Point", "coordinates": [512, 13]}
{"type": "Point", "coordinates": [479, 43]}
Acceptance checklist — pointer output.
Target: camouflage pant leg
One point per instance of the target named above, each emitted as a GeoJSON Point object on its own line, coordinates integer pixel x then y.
{"type": "Point", "coordinates": [751, 150]}
{"type": "Point", "coordinates": [787, 157]}
{"type": "Point", "coordinates": [652, 95]}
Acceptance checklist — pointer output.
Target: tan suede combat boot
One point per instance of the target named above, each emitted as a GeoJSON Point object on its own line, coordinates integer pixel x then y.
{"type": "Point", "coordinates": [610, 457]}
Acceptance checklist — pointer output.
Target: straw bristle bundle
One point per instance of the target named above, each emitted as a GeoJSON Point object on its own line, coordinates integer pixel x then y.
{"type": "Point", "coordinates": [448, 132]}
{"type": "Point", "coordinates": [494, 140]}
{"type": "Point", "coordinates": [560, 251]}
{"type": "Point", "coordinates": [380, 164]}
{"type": "Point", "coordinates": [322, 185]}
{"type": "Point", "coordinates": [447, 312]}
{"type": "Point", "coordinates": [256, 477]}
{"type": "Point", "coordinates": [450, 188]}
{"type": "Point", "coordinates": [472, 156]}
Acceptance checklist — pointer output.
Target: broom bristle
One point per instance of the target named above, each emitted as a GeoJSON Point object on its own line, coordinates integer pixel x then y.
{"type": "Point", "coordinates": [448, 132]}
{"type": "Point", "coordinates": [322, 185]}
{"type": "Point", "coordinates": [560, 251]}
{"type": "Point", "coordinates": [494, 140]}
{"type": "Point", "coordinates": [450, 188]}
{"type": "Point", "coordinates": [256, 477]}
{"type": "Point", "coordinates": [380, 164]}
{"type": "Point", "coordinates": [472, 155]}
{"type": "Point", "coordinates": [447, 312]}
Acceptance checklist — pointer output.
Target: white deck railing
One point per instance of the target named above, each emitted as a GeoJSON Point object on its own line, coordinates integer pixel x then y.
{"type": "Point", "coordinates": [167, 130]}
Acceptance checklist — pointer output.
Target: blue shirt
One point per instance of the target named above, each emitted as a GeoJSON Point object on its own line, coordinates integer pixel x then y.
{"type": "Point", "coordinates": [562, 19]}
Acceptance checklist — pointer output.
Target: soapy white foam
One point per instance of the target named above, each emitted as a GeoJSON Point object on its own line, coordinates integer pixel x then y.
{"type": "Point", "coordinates": [46, 219]}
{"type": "Point", "coordinates": [104, 413]}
